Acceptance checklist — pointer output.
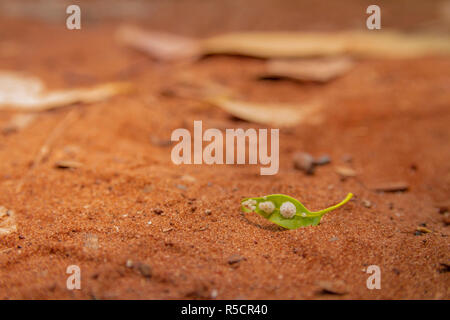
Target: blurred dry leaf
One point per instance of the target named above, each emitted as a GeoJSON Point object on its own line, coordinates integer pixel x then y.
{"type": "Point", "coordinates": [18, 122]}
{"type": "Point", "coordinates": [336, 287]}
{"type": "Point", "coordinates": [7, 221]}
{"type": "Point", "coordinates": [165, 46]}
{"type": "Point", "coordinates": [274, 44]}
{"type": "Point", "coordinates": [275, 114]}
{"type": "Point", "coordinates": [26, 93]}
{"type": "Point", "coordinates": [395, 186]}
{"type": "Point", "coordinates": [317, 69]}
{"type": "Point", "coordinates": [300, 44]}
{"type": "Point", "coordinates": [68, 164]}
{"type": "Point", "coordinates": [159, 45]}
{"type": "Point", "coordinates": [345, 171]}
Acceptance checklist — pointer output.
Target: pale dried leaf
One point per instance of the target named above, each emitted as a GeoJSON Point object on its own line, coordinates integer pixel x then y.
{"type": "Point", "coordinates": [312, 44]}
{"type": "Point", "coordinates": [67, 164]}
{"type": "Point", "coordinates": [318, 69]}
{"type": "Point", "coordinates": [7, 221]}
{"type": "Point", "coordinates": [21, 92]}
{"type": "Point", "coordinates": [165, 46]}
{"type": "Point", "coordinates": [345, 171]}
{"type": "Point", "coordinates": [270, 114]}
{"type": "Point", "coordinates": [159, 45]}
{"type": "Point", "coordinates": [395, 186]}
{"type": "Point", "coordinates": [423, 229]}
{"type": "Point", "coordinates": [274, 44]}
{"type": "Point", "coordinates": [336, 287]}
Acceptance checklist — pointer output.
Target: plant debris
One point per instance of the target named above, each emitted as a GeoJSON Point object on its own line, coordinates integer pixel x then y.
{"type": "Point", "coordinates": [26, 93]}
{"type": "Point", "coordinates": [391, 187]}
{"type": "Point", "coordinates": [280, 115]}
{"type": "Point", "coordinates": [170, 47]}
{"type": "Point", "coordinates": [423, 230]}
{"type": "Point", "coordinates": [68, 164]}
{"type": "Point", "coordinates": [316, 69]}
{"type": "Point", "coordinates": [159, 45]}
{"type": "Point", "coordinates": [312, 44]}
{"type": "Point", "coordinates": [336, 287]}
{"type": "Point", "coordinates": [7, 221]}
{"type": "Point", "coordinates": [345, 172]}
{"type": "Point", "coordinates": [235, 258]}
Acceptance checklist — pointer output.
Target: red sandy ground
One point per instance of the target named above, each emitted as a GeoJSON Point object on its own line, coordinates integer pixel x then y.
{"type": "Point", "coordinates": [391, 116]}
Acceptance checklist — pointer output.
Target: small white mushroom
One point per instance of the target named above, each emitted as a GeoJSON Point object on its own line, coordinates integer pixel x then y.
{"type": "Point", "coordinates": [288, 210]}
{"type": "Point", "coordinates": [267, 206]}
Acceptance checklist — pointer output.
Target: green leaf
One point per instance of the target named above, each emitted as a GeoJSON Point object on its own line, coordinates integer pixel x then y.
{"type": "Point", "coordinates": [285, 216]}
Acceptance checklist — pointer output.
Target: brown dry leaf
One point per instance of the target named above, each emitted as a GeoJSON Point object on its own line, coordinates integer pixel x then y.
{"type": "Point", "coordinates": [274, 44]}
{"type": "Point", "coordinates": [345, 172]}
{"type": "Point", "coordinates": [270, 114]}
{"type": "Point", "coordinates": [395, 186]}
{"type": "Point", "coordinates": [318, 69]}
{"type": "Point", "coordinates": [159, 45]}
{"type": "Point", "coordinates": [168, 47]}
{"type": "Point", "coordinates": [67, 164]}
{"type": "Point", "coordinates": [336, 287]}
{"type": "Point", "coordinates": [26, 93]}
{"type": "Point", "coordinates": [423, 230]}
{"type": "Point", "coordinates": [7, 221]}
{"type": "Point", "coordinates": [310, 44]}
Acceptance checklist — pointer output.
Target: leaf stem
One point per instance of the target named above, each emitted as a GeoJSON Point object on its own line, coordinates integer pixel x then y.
{"type": "Point", "coordinates": [322, 212]}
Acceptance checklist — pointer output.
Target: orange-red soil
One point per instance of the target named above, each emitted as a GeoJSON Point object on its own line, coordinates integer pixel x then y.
{"type": "Point", "coordinates": [387, 119]}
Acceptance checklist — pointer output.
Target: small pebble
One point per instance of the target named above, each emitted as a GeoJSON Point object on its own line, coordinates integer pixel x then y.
{"type": "Point", "coordinates": [322, 160]}
{"type": "Point", "coordinates": [145, 270]}
{"type": "Point", "coordinates": [157, 211]}
{"type": "Point", "coordinates": [334, 239]}
{"type": "Point", "coordinates": [367, 203]}
{"type": "Point", "coordinates": [235, 258]}
{"type": "Point", "coordinates": [214, 294]}
{"type": "Point", "coordinates": [208, 212]}
{"type": "Point", "coordinates": [304, 161]}
{"type": "Point", "coordinates": [129, 263]}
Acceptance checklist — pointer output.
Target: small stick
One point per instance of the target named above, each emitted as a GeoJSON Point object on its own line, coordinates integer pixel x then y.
{"type": "Point", "coordinates": [45, 148]}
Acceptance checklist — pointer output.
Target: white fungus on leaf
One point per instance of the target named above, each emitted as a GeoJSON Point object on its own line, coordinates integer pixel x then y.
{"type": "Point", "coordinates": [267, 206]}
{"type": "Point", "coordinates": [288, 210]}
{"type": "Point", "coordinates": [250, 204]}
